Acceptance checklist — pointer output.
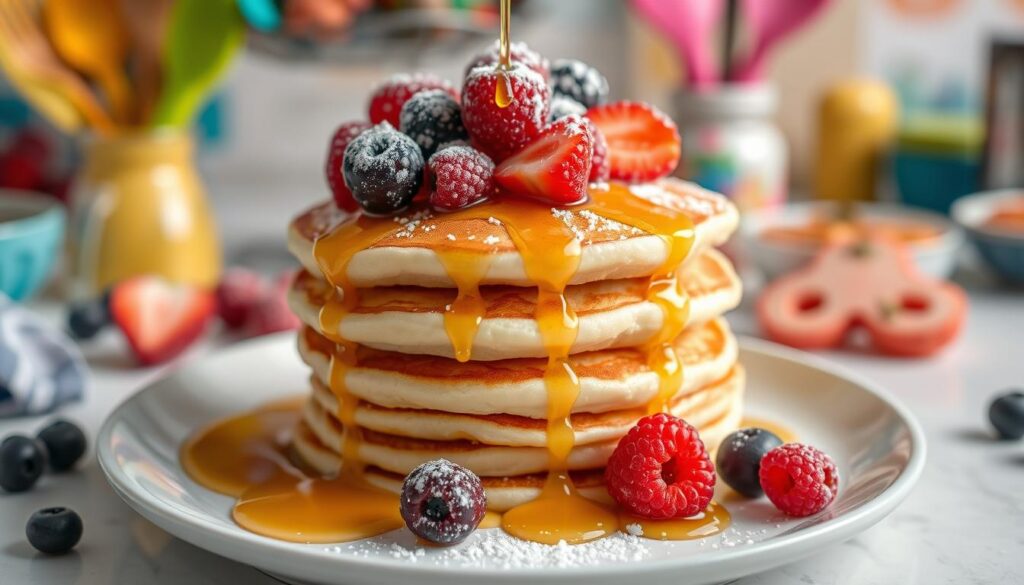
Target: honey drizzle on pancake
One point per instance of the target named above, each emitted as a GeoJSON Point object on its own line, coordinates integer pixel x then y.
{"type": "Point", "coordinates": [246, 457]}
{"type": "Point", "coordinates": [503, 85]}
{"type": "Point", "coordinates": [291, 506]}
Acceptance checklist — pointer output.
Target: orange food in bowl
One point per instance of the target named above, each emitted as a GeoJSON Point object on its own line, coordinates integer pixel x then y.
{"type": "Point", "coordinates": [1008, 216]}
{"type": "Point", "coordinates": [820, 231]}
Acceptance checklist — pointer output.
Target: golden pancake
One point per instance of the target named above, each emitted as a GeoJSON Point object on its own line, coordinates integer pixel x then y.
{"type": "Point", "coordinates": [714, 411]}
{"type": "Point", "coordinates": [408, 254]}
{"type": "Point", "coordinates": [611, 379]}
{"type": "Point", "coordinates": [612, 314]}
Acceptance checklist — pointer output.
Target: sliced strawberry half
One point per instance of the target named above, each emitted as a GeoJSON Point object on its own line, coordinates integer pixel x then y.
{"type": "Point", "coordinates": [643, 143]}
{"type": "Point", "coordinates": [159, 319]}
{"type": "Point", "coordinates": [554, 167]}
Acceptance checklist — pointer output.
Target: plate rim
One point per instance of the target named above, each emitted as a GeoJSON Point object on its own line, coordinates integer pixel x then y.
{"type": "Point", "coordinates": [251, 548]}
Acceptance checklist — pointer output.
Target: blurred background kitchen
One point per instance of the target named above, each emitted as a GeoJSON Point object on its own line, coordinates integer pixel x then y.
{"type": "Point", "coordinates": [178, 135]}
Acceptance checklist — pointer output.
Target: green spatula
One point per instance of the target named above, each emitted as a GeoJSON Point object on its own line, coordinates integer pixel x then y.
{"type": "Point", "coordinates": [203, 37]}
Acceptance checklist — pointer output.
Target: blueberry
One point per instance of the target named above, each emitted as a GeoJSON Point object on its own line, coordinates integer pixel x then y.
{"type": "Point", "coordinates": [65, 444]}
{"type": "Point", "coordinates": [432, 118]}
{"type": "Point", "coordinates": [1006, 413]}
{"type": "Point", "coordinates": [54, 531]}
{"type": "Point", "coordinates": [384, 169]}
{"type": "Point", "coordinates": [562, 106]}
{"type": "Point", "coordinates": [442, 502]}
{"type": "Point", "coordinates": [739, 459]}
{"type": "Point", "coordinates": [86, 319]}
{"type": "Point", "coordinates": [579, 81]}
{"type": "Point", "coordinates": [22, 461]}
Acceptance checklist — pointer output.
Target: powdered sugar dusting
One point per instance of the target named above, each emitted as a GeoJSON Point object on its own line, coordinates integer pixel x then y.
{"type": "Point", "coordinates": [593, 223]}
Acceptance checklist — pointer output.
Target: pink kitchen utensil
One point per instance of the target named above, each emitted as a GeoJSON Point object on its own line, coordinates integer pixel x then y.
{"type": "Point", "coordinates": [689, 25]}
{"type": "Point", "coordinates": [770, 21]}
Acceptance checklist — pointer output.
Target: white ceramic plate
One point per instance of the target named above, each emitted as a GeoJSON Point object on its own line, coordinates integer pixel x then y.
{"type": "Point", "coordinates": [877, 445]}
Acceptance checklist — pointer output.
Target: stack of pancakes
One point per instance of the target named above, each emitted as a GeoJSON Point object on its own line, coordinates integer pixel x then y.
{"type": "Point", "coordinates": [413, 401]}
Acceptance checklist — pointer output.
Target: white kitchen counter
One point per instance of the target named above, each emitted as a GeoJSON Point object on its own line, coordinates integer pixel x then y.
{"type": "Point", "coordinates": [964, 523]}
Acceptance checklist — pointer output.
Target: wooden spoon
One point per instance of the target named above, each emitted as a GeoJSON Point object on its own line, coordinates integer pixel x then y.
{"type": "Point", "coordinates": [146, 21]}
{"type": "Point", "coordinates": [89, 36]}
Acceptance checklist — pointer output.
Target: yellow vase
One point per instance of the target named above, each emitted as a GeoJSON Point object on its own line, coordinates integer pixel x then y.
{"type": "Point", "coordinates": [139, 207]}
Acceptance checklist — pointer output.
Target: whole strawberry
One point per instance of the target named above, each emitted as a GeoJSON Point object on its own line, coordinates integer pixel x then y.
{"type": "Point", "coordinates": [502, 131]}
{"type": "Point", "coordinates": [661, 470]}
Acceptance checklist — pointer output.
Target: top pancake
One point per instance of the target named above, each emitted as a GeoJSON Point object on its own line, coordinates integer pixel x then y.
{"type": "Point", "coordinates": [410, 253]}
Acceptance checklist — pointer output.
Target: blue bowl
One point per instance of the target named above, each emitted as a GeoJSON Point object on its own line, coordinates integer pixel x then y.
{"type": "Point", "coordinates": [1003, 251]}
{"type": "Point", "coordinates": [31, 234]}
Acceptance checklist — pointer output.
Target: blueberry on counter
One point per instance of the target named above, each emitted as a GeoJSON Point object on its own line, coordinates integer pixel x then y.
{"type": "Point", "coordinates": [739, 459]}
{"type": "Point", "coordinates": [65, 444]}
{"type": "Point", "coordinates": [54, 531]}
{"type": "Point", "coordinates": [22, 461]}
{"type": "Point", "coordinates": [87, 318]}
{"type": "Point", "coordinates": [1006, 413]}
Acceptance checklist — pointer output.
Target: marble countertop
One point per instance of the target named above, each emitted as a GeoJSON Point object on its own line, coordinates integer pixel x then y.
{"type": "Point", "coordinates": [962, 523]}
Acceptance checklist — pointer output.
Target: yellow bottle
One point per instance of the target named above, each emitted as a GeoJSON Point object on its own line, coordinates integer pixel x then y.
{"type": "Point", "coordinates": [139, 207]}
{"type": "Point", "coordinates": [856, 124]}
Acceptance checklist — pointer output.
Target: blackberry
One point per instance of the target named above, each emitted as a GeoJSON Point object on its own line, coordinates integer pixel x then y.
{"type": "Point", "coordinates": [432, 118]}
{"type": "Point", "coordinates": [579, 81]}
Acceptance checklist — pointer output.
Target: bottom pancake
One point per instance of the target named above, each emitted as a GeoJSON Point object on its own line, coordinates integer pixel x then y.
{"type": "Point", "coordinates": [401, 454]}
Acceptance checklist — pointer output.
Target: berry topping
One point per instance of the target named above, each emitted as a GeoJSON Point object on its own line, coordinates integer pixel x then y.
{"type": "Point", "coordinates": [388, 98]}
{"type": "Point", "coordinates": [238, 293]}
{"type": "Point", "coordinates": [579, 81]}
{"type": "Point", "coordinates": [383, 169]}
{"type": "Point", "coordinates": [271, 313]}
{"type": "Point", "coordinates": [65, 444]}
{"type": "Point", "coordinates": [518, 53]}
{"type": "Point", "coordinates": [432, 118]}
{"type": "Point", "coordinates": [599, 168]}
{"type": "Point", "coordinates": [500, 132]}
{"type": "Point", "coordinates": [660, 470]}
{"type": "Point", "coordinates": [87, 318]}
{"type": "Point", "coordinates": [643, 143]}
{"type": "Point", "coordinates": [335, 157]}
{"type": "Point", "coordinates": [54, 531]}
{"type": "Point", "coordinates": [159, 319]}
{"type": "Point", "coordinates": [555, 167]}
{"type": "Point", "coordinates": [562, 106]}
{"type": "Point", "coordinates": [799, 479]}
{"type": "Point", "coordinates": [442, 502]}
{"type": "Point", "coordinates": [22, 461]}
{"type": "Point", "coordinates": [739, 459]}
{"type": "Point", "coordinates": [1007, 414]}
{"type": "Point", "coordinates": [461, 176]}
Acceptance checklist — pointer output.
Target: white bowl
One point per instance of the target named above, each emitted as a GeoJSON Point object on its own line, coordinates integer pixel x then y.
{"type": "Point", "coordinates": [935, 258]}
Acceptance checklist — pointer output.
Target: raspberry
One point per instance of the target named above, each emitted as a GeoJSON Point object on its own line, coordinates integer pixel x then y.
{"type": "Point", "coordinates": [600, 170]}
{"type": "Point", "coordinates": [388, 98]}
{"type": "Point", "coordinates": [661, 470]}
{"type": "Point", "coordinates": [518, 53]}
{"type": "Point", "coordinates": [799, 479]}
{"type": "Point", "coordinates": [432, 118]}
{"type": "Point", "coordinates": [501, 132]}
{"type": "Point", "coordinates": [461, 176]}
{"type": "Point", "coordinates": [442, 502]}
{"type": "Point", "coordinates": [272, 313]}
{"type": "Point", "coordinates": [579, 81]}
{"type": "Point", "coordinates": [237, 294]}
{"type": "Point", "coordinates": [345, 133]}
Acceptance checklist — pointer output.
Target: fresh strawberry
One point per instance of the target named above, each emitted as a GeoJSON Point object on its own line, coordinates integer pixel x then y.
{"type": "Point", "coordinates": [159, 319]}
{"type": "Point", "coordinates": [388, 98]}
{"type": "Point", "coordinates": [238, 292]}
{"type": "Point", "coordinates": [643, 143]}
{"type": "Point", "coordinates": [500, 132]}
{"type": "Point", "coordinates": [553, 168]}
{"type": "Point", "coordinates": [345, 133]}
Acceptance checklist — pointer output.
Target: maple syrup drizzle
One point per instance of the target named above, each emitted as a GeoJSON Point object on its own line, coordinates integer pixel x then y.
{"type": "Point", "coordinates": [503, 88]}
{"type": "Point", "coordinates": [713, 520]}
{"type": "Point", "coordinates": [463, 316]}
